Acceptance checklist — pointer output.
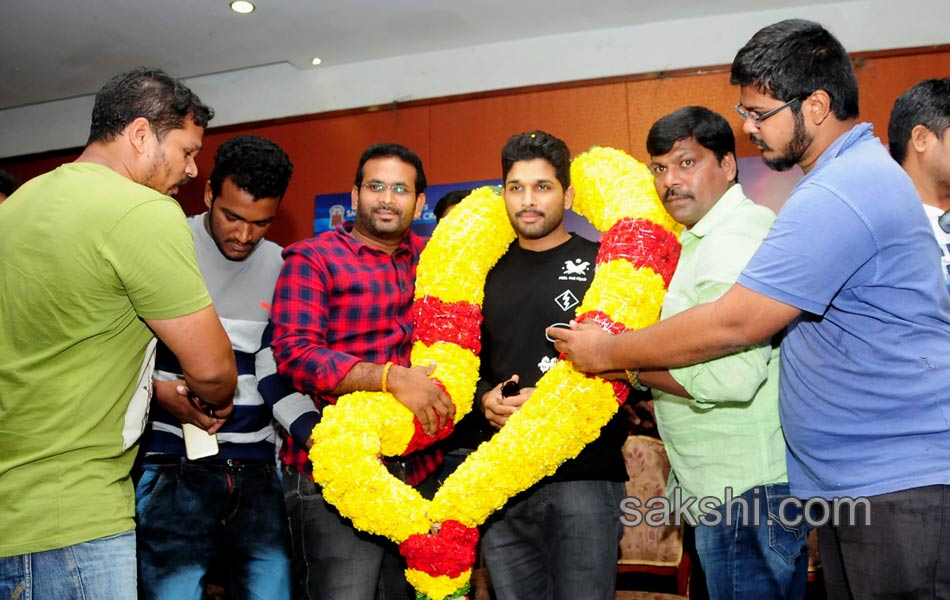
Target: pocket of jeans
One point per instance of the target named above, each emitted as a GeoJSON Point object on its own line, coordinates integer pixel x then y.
{"type": "Point", "coordinates": [13, 576]}
{"type": "Point", "coordinates": [788, 529]}
{"type": "Point", "coordinates": [154, 479]}
{"type": "Point", "coordinates": [296, 487]}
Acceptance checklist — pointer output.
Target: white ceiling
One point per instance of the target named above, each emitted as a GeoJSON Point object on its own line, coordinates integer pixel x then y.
{"type": "Point", "coordinates": [56, 49]}
{"type": "Point", "coordinates": [55, 53]}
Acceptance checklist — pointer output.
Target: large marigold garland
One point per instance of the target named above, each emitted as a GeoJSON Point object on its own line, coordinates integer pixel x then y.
{"type": "Point", "coordinates": [638, 254]}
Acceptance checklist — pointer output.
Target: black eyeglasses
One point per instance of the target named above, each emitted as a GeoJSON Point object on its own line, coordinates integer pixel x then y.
{"type": "Point", "coordinates": [944, 221]}
{"type": "Point", "coordinates": [757, 118]}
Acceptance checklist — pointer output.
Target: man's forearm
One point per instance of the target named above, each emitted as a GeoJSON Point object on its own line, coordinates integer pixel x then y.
{"type": "Point", "coordinates": [660, 379]}
{"type": "Point", "coordinates": [212, 375]}
{"type": "Point", "coordinates": [214, 388]}
{"type": "Point", "coordinates": [309, 366]}
{"type": "Point", "coordinates": [204, 352]}
{"type": "Point", "coordinates": [686, 339]}
{"type": "Point", "coordinates": [737, 320]}
{"type": "Point", "coordinates": [364, 376]}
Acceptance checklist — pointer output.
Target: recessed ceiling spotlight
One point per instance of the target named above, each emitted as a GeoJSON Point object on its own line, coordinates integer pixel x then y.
{"type": "Point", "coordinates": [316, 61]}
{"type": "Point", "coordinates": [242, 6]}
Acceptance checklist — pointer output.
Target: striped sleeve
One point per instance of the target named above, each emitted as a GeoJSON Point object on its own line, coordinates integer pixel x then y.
{"type": "Point", "coordinates": [295, 412]}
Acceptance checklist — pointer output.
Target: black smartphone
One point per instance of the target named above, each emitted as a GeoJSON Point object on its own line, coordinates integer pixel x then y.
{"type": "Point", "coordinates": [510, 388]}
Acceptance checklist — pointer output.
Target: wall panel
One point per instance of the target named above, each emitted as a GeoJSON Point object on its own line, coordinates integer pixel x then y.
{"type": "Point", "coordinates": [459, 139]}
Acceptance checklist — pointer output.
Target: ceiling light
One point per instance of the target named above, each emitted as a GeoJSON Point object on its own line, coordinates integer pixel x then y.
{"type": "Point", "coordinates": [242, 6]}
{"type": "Point", "coordinates": [316, 61]}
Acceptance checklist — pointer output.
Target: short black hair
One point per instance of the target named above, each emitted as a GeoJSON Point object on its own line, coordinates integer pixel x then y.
{"type": "Point", "coordinates": [793, 58]}
{"type": "Point", "coordinates": [8, 184]}
{"type": "Point", "coordinates": [256, 165]}
{"type": "Point", "coordinates": [145, 92]}
{"type": "Point", "coordinates": [927, 104]}
{"type": "Point", "coordinates": [447, 201]}
{"type": "Point", "coordinates": [393, 151]}
{"type": "Point", "coordinates": [710, 130]}
{"type": "Point", "coordinates": [537, 144]}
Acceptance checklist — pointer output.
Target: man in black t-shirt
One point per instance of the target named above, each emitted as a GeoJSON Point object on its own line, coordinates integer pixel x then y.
{"type": "Point", "coordinates": [562, 533]}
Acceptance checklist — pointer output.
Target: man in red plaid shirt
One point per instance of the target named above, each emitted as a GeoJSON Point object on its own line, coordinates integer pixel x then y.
{"type": "Point", "coordinates": [343, 323]}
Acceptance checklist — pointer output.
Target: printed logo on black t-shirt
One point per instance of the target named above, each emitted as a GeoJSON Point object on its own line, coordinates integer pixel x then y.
{"type": "Point", "coordinates": [567, 300]}
{"type": "Point", "coordinates": [575, 270]}
{"type": "Point", "coordinates": [547, 363]}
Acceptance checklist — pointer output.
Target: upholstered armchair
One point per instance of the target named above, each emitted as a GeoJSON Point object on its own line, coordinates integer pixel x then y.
{"type": "Point", "coordinates": [646, 548]}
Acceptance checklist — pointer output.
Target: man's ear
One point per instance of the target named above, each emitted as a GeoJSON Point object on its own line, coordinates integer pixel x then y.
{"type": "Point", "coordinates": [730, 166]}
{"type": "Point", "coordinates": [569, 197]}
{"type": "Point", "coordinates": [139, 133]}
{"type": "Point", "coordinates": [921, 138]}
{"type": "Point", "coordinates": [420, 204]}
{"type": "Point", "coordinates": [354, 197]}
{"type": "Point", "coordinates": [208, 195]}
{"type": "Point", "coordinates": [817, 107]}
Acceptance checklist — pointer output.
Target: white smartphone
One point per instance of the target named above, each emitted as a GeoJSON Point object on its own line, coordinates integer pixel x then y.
{"type": "Point", "coordinates": [198, 443]}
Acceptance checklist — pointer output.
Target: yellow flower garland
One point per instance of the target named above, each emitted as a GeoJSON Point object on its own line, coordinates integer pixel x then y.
{"type": "Point", "coordinates": [566, 411]}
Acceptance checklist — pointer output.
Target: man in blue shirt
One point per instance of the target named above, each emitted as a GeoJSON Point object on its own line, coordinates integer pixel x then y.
{"type": "Point", "coordinates": [848, 270]}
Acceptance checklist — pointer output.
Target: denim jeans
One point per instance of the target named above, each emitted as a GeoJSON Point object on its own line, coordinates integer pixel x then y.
{"type": "Point", "coordinates": [903, 553]}
{"type": "Point", "coordinates": [333, 560]}
{"type": "Point", "coordinates": [556, 541]}
{"type": "Point", "coordinates": [754, 555]}
{"type": "Point", "coordinates": [103, 569]}
{"type": "Point", "coordinates": [191, 513]}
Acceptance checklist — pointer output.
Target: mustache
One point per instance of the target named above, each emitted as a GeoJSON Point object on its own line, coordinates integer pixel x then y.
{"type": "Point", "coordinates": [181, 182]}
{"type": "Point", "coordinates": [758, 142]}
{"type": "Point", "coordinates": [529, 211]}
{"type": "Point", "coordinates": [677, 194]}
{"type": "Point", "coordinates": [396, 211]}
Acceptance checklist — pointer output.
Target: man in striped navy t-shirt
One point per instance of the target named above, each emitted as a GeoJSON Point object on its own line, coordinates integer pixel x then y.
{"type": "Point", "coordinates": [227, 507]}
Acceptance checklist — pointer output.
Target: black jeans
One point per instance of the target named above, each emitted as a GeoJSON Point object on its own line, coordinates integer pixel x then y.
{"type": "Point", "coordinates": [903, 553]}
{"type": "Point", "coordinates": [332, 560]}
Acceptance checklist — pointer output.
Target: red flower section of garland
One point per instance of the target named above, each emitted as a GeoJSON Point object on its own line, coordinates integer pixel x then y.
{"type": "Point", "coordinates": [604, 321]}
{"type": "Point", "coordinates": [458, 323]}
{"type": "Point", "coordinates": [621, 389]}
{"type": "Point", "coordinates": [450, 552]}
{"type": "Point", "coordinates": [421, 439]}
{"type": "Point", "coordinates": [644, 244]}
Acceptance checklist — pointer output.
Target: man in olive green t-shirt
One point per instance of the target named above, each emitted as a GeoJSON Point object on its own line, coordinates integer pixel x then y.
{"type": "Point", "coordinates": [96, 260]}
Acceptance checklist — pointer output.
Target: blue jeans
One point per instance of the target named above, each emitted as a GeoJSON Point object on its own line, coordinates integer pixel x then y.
{"type": "Point", "coordinates": [333, 560]}
{"type": "Point", "coordinates": [103, 569]}
{"type": "Point", "coordinates": [752, 560]}
{"type": "Point", "coordinates": [556, 541]}
{"type": "Point", "coordinates": [191, 513]}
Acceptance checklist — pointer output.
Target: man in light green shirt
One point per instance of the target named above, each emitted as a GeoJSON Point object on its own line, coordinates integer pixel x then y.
{"type": "Point", "coordinates": [96, 260]}
{"type": "Point", "coordinates": [719, 419]}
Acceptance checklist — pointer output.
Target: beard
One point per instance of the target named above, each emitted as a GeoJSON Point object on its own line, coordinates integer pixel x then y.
{"type": "Point", "coordinates": [796, 147]}
{"type": "Point", "coordinates": [537, 230]}
{"type": "Point", "coordinates": [159, 173]}
{"type": "Point", "coordinates": [224, 250]}
{"type": "Point", "coordinates": [392, 230]}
